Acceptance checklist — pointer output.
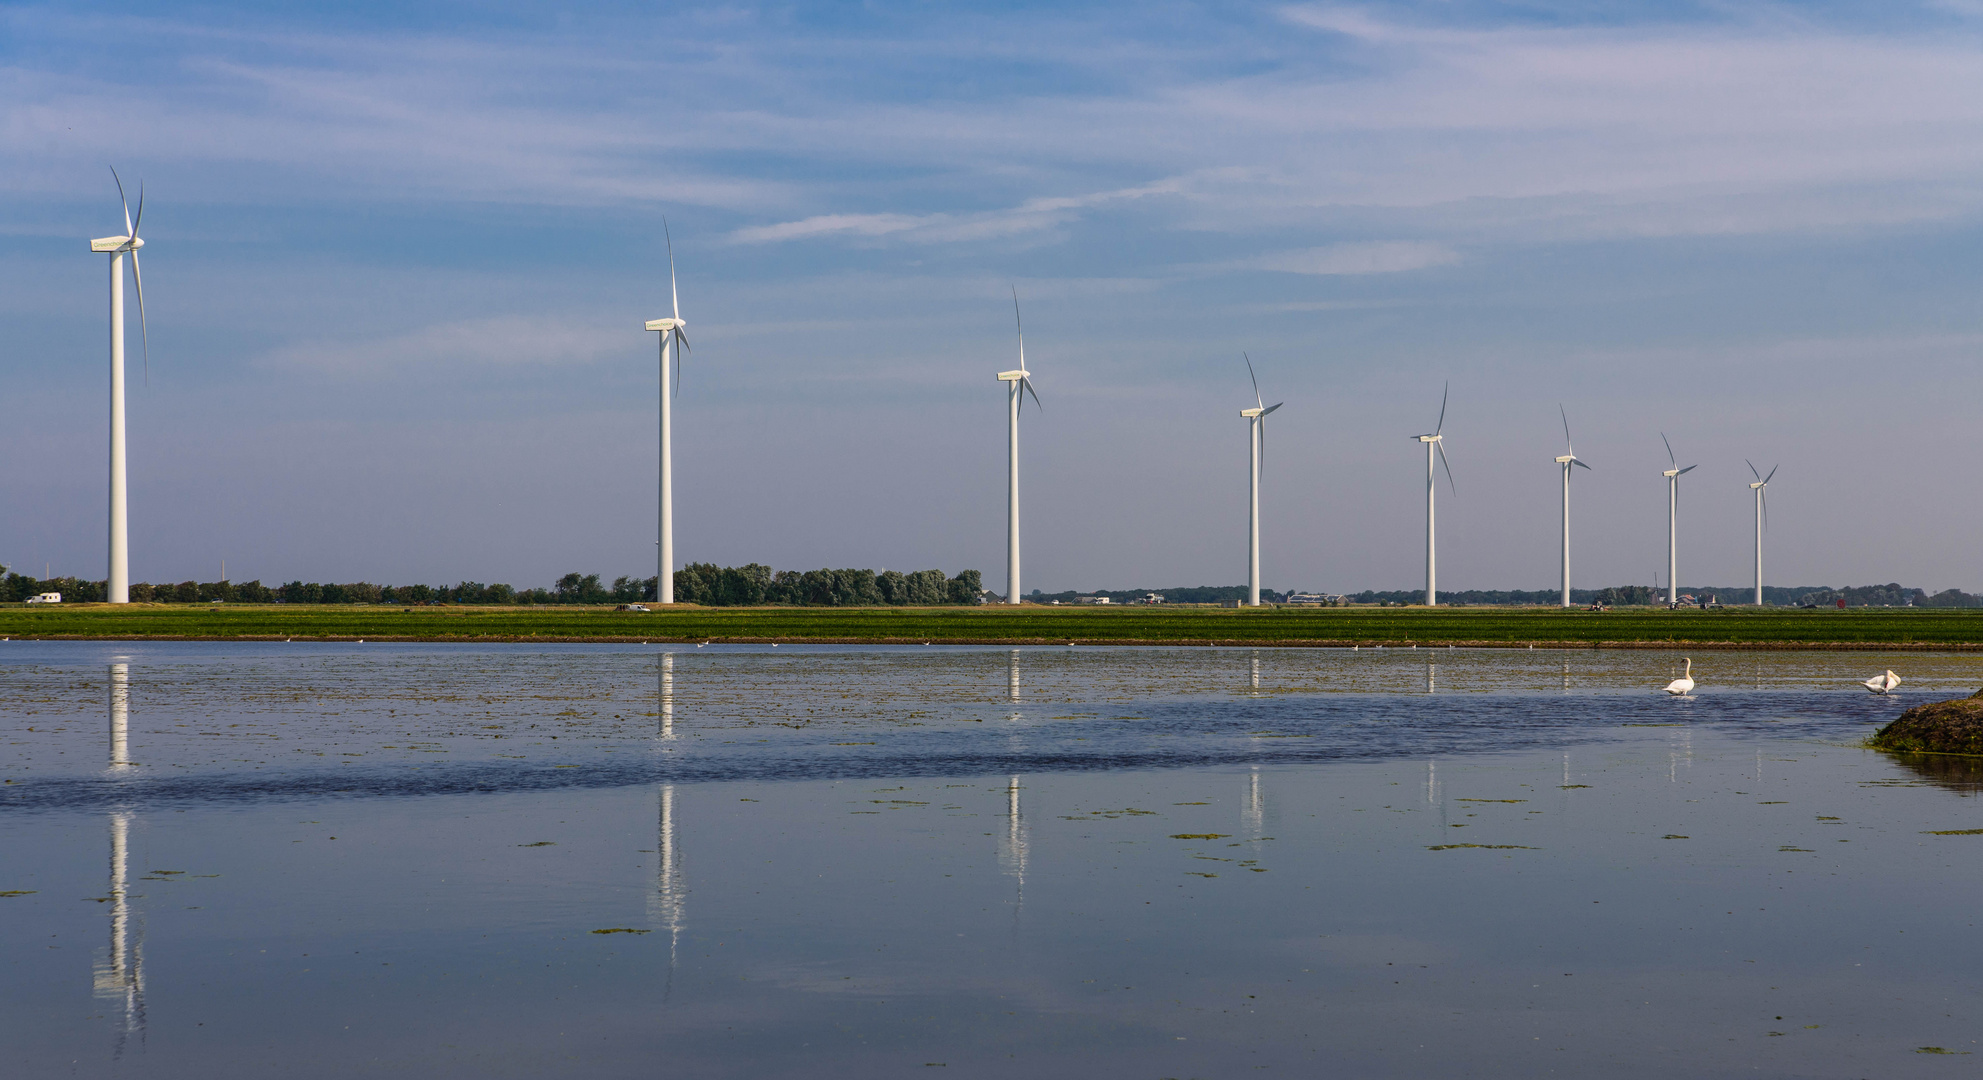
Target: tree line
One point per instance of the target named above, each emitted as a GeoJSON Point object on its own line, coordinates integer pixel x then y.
{"type": "Point", "coordinates": [696, 583]}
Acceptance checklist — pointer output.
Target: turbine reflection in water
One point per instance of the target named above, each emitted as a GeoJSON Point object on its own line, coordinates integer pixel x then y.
{"type": "Point", "coordinates": [120, 717]}
{"type": "Point", "coordinates": [119, 974]}
{"type": "Point", "coordinates": [667, 695]}
{"type": "Point", "coordinates": [1012, 846]}
{"type": "Point", "coordinates": [669, 905]}
{"type": "Point", "coordinates": [1254, 811]}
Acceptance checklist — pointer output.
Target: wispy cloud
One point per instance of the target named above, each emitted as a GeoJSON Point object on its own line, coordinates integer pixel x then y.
{"type": "Point", "coordinates": [1031, 216]}
{"type": "Point", "coordinates": [1372, 257]}
{"type": "Point", "coordinates": [506, 341]}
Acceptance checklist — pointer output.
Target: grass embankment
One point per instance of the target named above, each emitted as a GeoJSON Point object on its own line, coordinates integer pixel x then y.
{"type": "Point", "coordinates": [1028, 624]}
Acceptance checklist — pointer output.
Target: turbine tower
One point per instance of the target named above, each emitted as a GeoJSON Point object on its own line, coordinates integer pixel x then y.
{"type": "Point", "coordinates": [1567, 461]}
{"type": "Point", "coordinates": [1762, 518]}
{"type": "Point", "coordinates": [1434, 444]}
{"type": "Point", "coordinates": [1673, 476]}
{"type": "Point", "coordinates": [1256, 439]}
{"type": "Point", "coordinates": [1018, 384]}
{"type": "Point", "coordinates": [671, 335]}
{"type": "Point", "coordinates": [117, 589]}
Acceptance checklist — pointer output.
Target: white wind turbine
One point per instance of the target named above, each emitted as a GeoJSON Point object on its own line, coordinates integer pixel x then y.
{"type": "Point", "coordinates": [1434, 444]}
{"type": "Point", "coordinates": [1018, 383]}
{"type": "Point", "coordinates": [1762, 518]}
{"type": "Point", "coordinates": [671, 333]}
{"type": "Point", "coordinates": [1567, 461]}
{"type": "Point", "coordinates": [117, 589]}
{"type": "Point", "coordinates": [1256, 438]}
{"type": "Point", "coordinates": [1673, 476]}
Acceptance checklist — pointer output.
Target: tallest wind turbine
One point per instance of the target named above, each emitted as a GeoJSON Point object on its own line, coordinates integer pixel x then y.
{"type": "Point", "coordinates": [117, 587]}
{"type": "Point", "coordinates": [1434, 443]}
{"type": "Point", "coordinates": [670, 330]}
{"type": "Point", "coordinates": [1019, 383]}
{"type": "Point", "coordinates": [1567, 461]}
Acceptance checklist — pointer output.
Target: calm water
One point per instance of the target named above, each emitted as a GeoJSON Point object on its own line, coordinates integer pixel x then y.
{"type": "Point", "coordinates": [396, 860]}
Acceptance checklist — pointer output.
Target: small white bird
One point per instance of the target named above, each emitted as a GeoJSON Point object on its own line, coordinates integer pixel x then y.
{"type": "Point", "coordinates": [1685, 683]}
{"type": "Point", "coordinates": [1880, 684]}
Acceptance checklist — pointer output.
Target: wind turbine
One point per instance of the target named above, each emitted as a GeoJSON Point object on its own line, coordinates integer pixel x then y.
{"type": "Point", "coordinates": [671, 334]}
{"type": "Point", "coordinates": [1762, 518]}
{"type": "Point", "coordinates": [1019, 383]}
{"type": "Point", "coordinates": [1433, 444]}
{"type": "Point", "coordinates": [117, 589]}
{"type": "Point", "coordinates": [1673, 476]}
{"type": "Point", "coordinates": [1567, 461]}
{"type": "Point", "coordinates": [1256, 441]}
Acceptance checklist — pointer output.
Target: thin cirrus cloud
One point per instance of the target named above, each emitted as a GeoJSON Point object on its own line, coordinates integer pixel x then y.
{"type": "Point", "coordinates": [1372, 257]}
{"type": "Point", "coordinates": [1031, 216]}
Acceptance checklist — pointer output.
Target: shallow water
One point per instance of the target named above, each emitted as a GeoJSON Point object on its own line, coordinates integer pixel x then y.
{"type": "Point", "coordinates": [322, 860]}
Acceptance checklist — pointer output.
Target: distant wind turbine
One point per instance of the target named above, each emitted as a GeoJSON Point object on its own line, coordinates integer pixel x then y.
{"type": "Point", "coordinates": [1673, 476]}
{"type": "Point", "coordinates": [1434, 444]}
{"type": "Point", "coordinates": [117, 589]}
{"type": "Point", "coordinates": [1019, 383]}
{"type": "Point", "coordinates": [1567, 461]}
{"type": "Point", "coordinates": [1762, 518]}
{"type": "Point", "coordinates": [671, 333]}
{"type": "Point", "coordinates": [1256, 439]}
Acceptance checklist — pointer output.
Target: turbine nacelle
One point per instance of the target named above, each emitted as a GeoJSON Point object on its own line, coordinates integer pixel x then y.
{"type": "Point", "coordinates": [1428, 438]}
{"type": "Point", "coordinates": [1250, 413]}
{"type": "Point", "coordinates": [1678, 472]}
{"type": "Point", "coordinates": [1014, 376]}
{"type": "Point", "coordinates": [115, 244]}
{"type": "Point", "coordinates": [665, 325]}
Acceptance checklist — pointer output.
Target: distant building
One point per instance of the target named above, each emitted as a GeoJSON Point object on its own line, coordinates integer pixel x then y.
{"type": "Point", "coordinates": [1091, 600]}
{"type": "Point", "coordinates": [1309, 599]}
{"type": "Point", "coordinates": [1152, 598]}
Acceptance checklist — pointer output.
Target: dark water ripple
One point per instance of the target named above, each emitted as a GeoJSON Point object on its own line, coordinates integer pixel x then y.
{"type": "Point", "coordinates": [1160, 735]}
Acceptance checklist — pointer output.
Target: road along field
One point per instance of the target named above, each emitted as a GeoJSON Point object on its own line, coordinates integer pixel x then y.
{"type": "Point", "coordinates": [1886, 628]}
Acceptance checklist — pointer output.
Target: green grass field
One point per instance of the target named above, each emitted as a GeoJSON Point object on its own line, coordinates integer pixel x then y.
{"type": "Point", "coordinates": [1728, 627]}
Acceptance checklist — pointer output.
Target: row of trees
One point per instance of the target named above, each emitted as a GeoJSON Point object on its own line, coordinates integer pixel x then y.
{"type": "Point", "coordinates": [697, 583]}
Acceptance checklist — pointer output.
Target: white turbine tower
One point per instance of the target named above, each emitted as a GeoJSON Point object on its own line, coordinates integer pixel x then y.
{"type": "Point", "coordinates": [671, 333]}
{"type": "Point", "coordinates": [117, 589]}
{"type": "Point", "coordinates": [1673, 476]}
{"type": "Point", "coordinates": [1762, 518]}
{"type": "Point", "coordinates": [1434, 444]}
{"type": "Point", "coordinates": [1568, 461]}
{"type": "Point", "coordinates": [1256, 439]}
{"type": "Point", "coordinates": [1018, 384]}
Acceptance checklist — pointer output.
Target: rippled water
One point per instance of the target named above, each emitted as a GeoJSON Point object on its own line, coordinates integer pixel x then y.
{"type": "Point", "coordinates": [324, 860]}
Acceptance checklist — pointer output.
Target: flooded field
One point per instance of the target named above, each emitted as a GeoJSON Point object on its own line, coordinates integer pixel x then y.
{"type": "Point", "coordinates": [751, 861]}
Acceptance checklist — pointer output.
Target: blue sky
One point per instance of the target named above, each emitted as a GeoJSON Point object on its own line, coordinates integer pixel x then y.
{"type": "Point", "coordinates": [399, 256]}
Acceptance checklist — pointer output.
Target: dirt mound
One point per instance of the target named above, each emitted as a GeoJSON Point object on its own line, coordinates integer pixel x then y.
{"type": "Point", "coordinates": [1944, 727]}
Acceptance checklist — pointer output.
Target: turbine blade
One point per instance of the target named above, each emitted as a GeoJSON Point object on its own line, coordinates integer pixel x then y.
{"type": "Point", "coordinates": [673, 293]}
{"type": "Point", "coordinates": [678, 367]}
{"type": "Point", "coordinates": [1441, 447]}
{"type": "Point", "coordinates": [1258, 402]}
{"type": "Point", "coordinates": [1773, 470]}
{"type": "Point", "coordinates": [1687, 470]}
{"type": "Point", "coordinates": [1027, 385]}
{"type": "Point", "coordinates": [140, 223]}
{"type": "Point", "coordinates": [1567, 441]}
{"type": "Point", "coordinates": [1752, 468]}
{"type": "Point", "coordinates": [1670, 460]}
{"type": "Point", "coordinates": [1442, 410]}
{"type": "Point", "coordinates": [682, 338]}
{"type": "Point", "coordinates": [1766, 509]}
{"type": "Point", "coordinates": [144, 331]}
{"type": "Point", "coordinates": [1578, 462]}
{"type": "Point", "coordinates": [1272, 407]}
{"type": "Point", "coordinates": [122, 199]}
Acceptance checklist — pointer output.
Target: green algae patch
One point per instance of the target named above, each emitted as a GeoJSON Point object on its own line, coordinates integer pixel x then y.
{"type": "Point", "coordinates": [621, 930]}
{"type": "Point", "coordinates": [1489, 847]}
{"type": "Point", "coordinates": [1954, 832]}
{"type": "Point", "coordinates": [541, 843]}
{"type": "Point", "coordinates": [1490, 800]}
{"type": "Point", "coordinates": [1200, 836]}
{"type": "Point", "coordinates": [1675, 836]}
{"type": "Point", "coordinates": [17, 892]}
{"type": "Point", "coordinates": [1937, 1050]}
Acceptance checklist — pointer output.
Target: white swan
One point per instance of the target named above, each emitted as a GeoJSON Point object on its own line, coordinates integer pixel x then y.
{"type": "Point", "coordinates": [1685, 683]}
{"type": "Point", "coordinates": [1880, 684]}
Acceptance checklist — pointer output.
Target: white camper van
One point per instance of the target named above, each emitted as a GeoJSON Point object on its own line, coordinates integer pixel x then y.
{"type": "Point", "coordinates": [46, 598]}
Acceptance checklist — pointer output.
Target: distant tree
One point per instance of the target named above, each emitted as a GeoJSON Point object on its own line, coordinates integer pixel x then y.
{"type": "Point", "coordinates": [500, 594]}
{"type": "Point", "coordinates": [966, 587]}
{"type": "Point", "coordinates": [742, 586]}
{"type": "Point", "coordinates": [142, 593]}
{"type": "Point", "coordinates": [928, 587]}
{"type": "Point", "coordinates": [893, 586]}
{"type": "Point", "coordinates": [627, 590]}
